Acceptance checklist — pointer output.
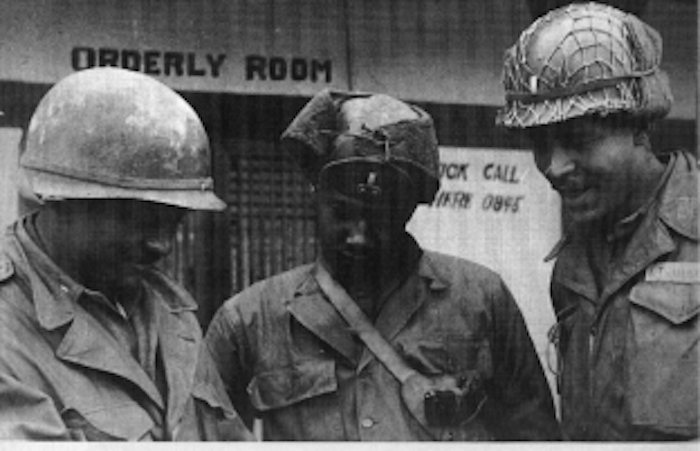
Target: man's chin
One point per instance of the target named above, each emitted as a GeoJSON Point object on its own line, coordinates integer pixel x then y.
{"type": "Point", "coordinates": [128, 272]}
{"type": "Point", "coordinates": [111, 280]}
{"type": "Point", "coordinates": [355, 262]}
{"type": "Point", "coordinates": [586, 217]}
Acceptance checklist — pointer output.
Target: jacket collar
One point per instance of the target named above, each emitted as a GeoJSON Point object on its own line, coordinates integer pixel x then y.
{"type": "Point", "coordinates": [407, 299]}
{"type": "Point", "coordinates": [179, 337]}
{"type": "Point", "coordinates": [679, 202]}
{"type": "Point", "coordinates": [55, 294]}
{"type": "Point", "coordinates": [409, 296]}
{"type": "Point", "coordinates": [676, 208]}
{"type": "Point", "coordinates": [56, 299]}
{"type": "Point", "coordinates": [311, 308]}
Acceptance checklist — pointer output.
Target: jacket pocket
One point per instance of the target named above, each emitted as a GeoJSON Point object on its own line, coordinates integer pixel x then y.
{"type": "Point", "coordinates": [121, 422]}
{"type": "Point", "coordinates": [215, 400]}
{"type": "Point", "coordinates": [282, 387]}
{"type": "Point", "coordinates": [209, 416]}
{"type": "Point", "coordinates": [447, 352]}
{"type": "Point", "coordinates": [470, 356]}
{"type": "Point", "coordinates": [299, 401]}
{"type": "Point", "coordinates": [677, 303]}
{"type": "Point", "coordinates": [663, 357]}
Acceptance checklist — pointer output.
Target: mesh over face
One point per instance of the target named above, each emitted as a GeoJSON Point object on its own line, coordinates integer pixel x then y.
{"type": "Point", "coordinates": [584, 59]}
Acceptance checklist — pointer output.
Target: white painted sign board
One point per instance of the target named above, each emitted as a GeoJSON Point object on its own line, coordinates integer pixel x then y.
{"type": "Point", "coordinates": [495, 208]}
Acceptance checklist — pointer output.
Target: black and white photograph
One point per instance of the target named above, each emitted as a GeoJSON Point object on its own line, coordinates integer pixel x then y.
{"type": "Point", "coordinates": [343, 221]}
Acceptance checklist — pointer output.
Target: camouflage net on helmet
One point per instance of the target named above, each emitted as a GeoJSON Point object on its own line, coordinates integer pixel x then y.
{"type": "Point", "coordinates": [584, 59]}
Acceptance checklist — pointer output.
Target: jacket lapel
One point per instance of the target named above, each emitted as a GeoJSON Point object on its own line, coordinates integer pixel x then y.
{"type": "Point", "coordinates": [573, 270]}
{"type": "Point", "coordinates": [179, 345]}
{"type": "Point", "coordinates": [316, 313]}
{"type": "Point", "coordinates": [677, 209]}
{"type": "Point", "coordinates": [650, 242]}
{"type": "Point", "coordinates": [87, 344]}
{"type": "Point", "coordinates": [311, 308]}
{"type": "Point", "coordinates": [179, 340]}
{"type": "Point", "coordinates": [404, 302]}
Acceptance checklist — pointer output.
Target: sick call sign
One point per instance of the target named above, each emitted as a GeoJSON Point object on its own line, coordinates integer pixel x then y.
{"type": "Point", "coordinates": [493, 185]}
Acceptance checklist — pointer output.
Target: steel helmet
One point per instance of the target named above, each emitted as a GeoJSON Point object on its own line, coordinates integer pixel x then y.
{"type": "Point", "coordinates": [584, 58]}
{"type": "Point", "coordinates": [108, 133]}
{"type": "Point", "coordinates": [348, 137]}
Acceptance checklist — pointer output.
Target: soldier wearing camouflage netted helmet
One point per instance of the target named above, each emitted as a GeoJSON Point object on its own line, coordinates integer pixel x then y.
{"type": "Point", "coordinates": [379, 339]}
{"type": "Point", "coordinates": [97, 343]}
{"type": "Point", "coordinates": [584, 84]}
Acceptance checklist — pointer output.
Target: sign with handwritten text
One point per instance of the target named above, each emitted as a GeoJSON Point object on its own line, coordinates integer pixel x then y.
{"type": "Point", "coordinates": [495, 208]}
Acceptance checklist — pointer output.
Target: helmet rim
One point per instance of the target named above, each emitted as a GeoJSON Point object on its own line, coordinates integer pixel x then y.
{"type": "Point", "coordinates": [115, 133]}
{"type": "Point", "coordinates": [49, 186]}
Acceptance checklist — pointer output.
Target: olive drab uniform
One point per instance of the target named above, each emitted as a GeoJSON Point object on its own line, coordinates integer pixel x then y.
{"type": "Point", "coordinates": [628, 344]}
{"type": "Point", "coordinates": [286, 355]}
{"type": "Point", "coordinates": [65, 375]}
{"type": "Point", "coordinates": [445, 355]}
{"type": "Point", "coordinates": [626, 300]}
{"type": "Point", "coordinates": [75, 365]}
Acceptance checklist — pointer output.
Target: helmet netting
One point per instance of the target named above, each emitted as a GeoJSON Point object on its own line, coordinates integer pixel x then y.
{"type": "Point", "coordinates": [583, 59]}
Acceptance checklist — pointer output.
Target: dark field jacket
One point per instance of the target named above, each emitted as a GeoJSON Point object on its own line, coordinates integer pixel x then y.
{"type": "Point", "coordinates": [287, 356]}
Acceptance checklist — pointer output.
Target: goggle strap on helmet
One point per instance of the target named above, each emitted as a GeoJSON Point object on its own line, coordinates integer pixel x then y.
{"type": "Point", "coordinates": [202, 184]}
{"type": "Point", "coordinates": [525, 97]}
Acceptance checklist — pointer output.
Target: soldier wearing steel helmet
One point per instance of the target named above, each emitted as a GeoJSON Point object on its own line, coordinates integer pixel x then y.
{"type": "Point", "coordinates": [378, 339]}
{"type": "Point", "coordinates": [98, 344]}
{"type": "Point", "coordinates": [584, 83]}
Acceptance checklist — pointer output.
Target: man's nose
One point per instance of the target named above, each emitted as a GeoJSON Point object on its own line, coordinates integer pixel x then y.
{"type": "Point", "coordinates": [560, 162]}
{"type": "Point", "coordinates": [358, 233]}
{"type": "Point", "coordinates": [159, 244]}
{"type": "Point", "coordinates": [158, 238]}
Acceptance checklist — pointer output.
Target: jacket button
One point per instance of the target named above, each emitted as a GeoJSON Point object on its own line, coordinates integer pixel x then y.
{"type": "Point", "coordinates": [367, 423]}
